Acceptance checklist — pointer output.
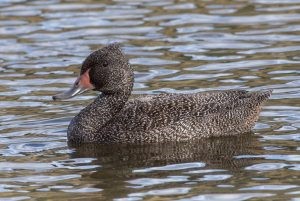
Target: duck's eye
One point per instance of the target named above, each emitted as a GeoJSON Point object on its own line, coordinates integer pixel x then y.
{"type": "Point", "coordinates": [105, 64]}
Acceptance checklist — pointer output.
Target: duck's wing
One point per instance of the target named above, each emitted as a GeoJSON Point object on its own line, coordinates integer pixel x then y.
{"type": "Point", "coordinates": [155, 111]}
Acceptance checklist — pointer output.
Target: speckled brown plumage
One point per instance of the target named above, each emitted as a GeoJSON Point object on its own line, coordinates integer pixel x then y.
{"type": "Point", "coordinates": [115, 118]}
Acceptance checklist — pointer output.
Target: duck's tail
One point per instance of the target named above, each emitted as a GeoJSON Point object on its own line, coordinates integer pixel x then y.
{"type": "Point", "coordinates": [261, 96]}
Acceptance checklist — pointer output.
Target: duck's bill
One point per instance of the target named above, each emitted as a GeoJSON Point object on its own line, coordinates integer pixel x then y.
{"type": "Point", "coordinates": [75, 90]}
{"type": "Point", "coordinates": [81, 85]}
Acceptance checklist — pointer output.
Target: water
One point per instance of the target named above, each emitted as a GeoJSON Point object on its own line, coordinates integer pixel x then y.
{"type": "Point", "coordinates": [174, 46]}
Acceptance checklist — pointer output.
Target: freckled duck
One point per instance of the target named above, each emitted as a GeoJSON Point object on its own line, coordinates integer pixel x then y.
{"type": "Point", "coordinates": [114, 118]}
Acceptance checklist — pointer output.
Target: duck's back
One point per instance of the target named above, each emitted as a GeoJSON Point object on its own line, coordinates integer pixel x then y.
{"type": "Point", "coordinates": [178, 117]}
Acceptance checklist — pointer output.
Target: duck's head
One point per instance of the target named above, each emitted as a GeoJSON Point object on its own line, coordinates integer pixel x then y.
{"type": "Point", "coordinates": [106, 70]}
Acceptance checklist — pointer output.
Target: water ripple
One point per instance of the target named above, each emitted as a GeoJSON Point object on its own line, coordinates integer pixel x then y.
{"type": "Point", "coordinates": [174, 47]}
{"type": "Point", "coordinates": [228, 197]}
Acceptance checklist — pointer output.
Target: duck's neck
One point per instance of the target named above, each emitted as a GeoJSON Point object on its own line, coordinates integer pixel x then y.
{"type": "Point", "coordinates": [85, 126]}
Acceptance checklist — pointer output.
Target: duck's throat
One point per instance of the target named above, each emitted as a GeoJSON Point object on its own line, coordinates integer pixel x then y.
{"type": "Point", "coordinates": [85, 126]}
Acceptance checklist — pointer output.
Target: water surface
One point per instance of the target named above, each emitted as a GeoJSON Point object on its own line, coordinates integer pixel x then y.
{"type": "Point", "coordinates": [175, 47]}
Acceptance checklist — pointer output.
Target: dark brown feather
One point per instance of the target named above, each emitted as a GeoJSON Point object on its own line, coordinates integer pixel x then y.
{"type": "Point", "coordinates": [114, 118]}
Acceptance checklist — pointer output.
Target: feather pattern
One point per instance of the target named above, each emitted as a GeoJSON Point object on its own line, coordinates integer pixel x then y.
{"type": "Point", "coordinates": [115, 117]}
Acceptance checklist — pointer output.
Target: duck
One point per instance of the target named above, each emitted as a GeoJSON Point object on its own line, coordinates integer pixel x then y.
{"type": "Point", "coordinates": [116, 117]}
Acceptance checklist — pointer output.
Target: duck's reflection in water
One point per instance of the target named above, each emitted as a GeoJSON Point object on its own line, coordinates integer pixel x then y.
{"type": "Point", "coordinates": [215, 152]}
{"type": "Point", "coordinates": [121, 163]}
